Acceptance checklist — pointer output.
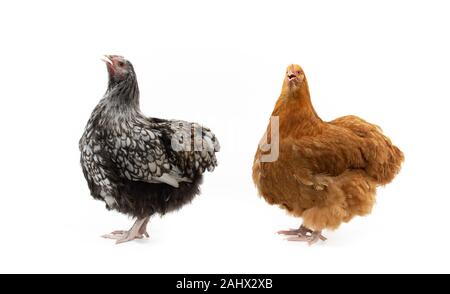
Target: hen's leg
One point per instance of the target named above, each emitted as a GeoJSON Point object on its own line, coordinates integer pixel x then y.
{"type": "Point", "coordinates": [137, 231]}
{"type": "Point", "coordinates": [143, 228]}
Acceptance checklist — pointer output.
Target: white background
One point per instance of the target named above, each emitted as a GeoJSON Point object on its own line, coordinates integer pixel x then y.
{"type": "Point", "coordinates": [221, 63]}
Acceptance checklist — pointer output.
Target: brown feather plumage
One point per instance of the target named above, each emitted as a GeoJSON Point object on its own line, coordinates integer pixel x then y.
{"type": "Point", "coordinates": [326, 172]}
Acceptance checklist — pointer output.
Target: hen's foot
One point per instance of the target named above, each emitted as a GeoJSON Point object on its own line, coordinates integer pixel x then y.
{"type": "Point", "coordinates": [137, 231]}
{"type": "Point", "coordinates": [303, 231]}
{"type": "Point", "coordinates": [311, 237]}
{"type": "Point", "coordinates": [122, 236]}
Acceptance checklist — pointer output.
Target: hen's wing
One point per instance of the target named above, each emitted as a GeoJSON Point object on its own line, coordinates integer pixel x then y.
{"type": "Point", "coordinates": [328, 153]}
{"type": "Point", "coordinates": [138, 154]}
{"type": "Point", "coordinates": [331, 152]}
{"type": "Point", "coordinates": [145, 152]}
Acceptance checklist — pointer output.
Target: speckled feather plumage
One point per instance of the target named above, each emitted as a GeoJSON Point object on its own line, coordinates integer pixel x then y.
{"type": "Point", "coordinates": [134, 163]}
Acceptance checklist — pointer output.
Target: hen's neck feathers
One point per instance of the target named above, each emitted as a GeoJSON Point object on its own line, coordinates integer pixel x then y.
{"type": "Point", "coordinates": [296, 111]}
{"type": "Point", "coordinates": [123, 95]}
{"type": "Point", "coordinates": [119, 106]}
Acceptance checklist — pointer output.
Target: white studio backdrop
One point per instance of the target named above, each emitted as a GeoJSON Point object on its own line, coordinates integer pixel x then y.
{"type": "Point", "coordinates": [221, 63]}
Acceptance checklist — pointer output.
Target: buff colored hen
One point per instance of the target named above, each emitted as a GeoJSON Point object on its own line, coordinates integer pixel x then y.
{"type": "Point", "coordinates": [324, 172]}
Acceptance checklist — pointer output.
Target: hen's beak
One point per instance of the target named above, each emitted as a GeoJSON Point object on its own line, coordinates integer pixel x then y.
{"type": "Point", "coordinates": [291, 75]}
{"type": "Point", "coordinates": [106, 59]}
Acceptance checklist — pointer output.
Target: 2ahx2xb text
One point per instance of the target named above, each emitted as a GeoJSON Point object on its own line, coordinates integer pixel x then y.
{"type": "Point", "coordinates": [237, 283]}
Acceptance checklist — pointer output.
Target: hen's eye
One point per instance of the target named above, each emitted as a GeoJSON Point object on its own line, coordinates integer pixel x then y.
{"type": "Point", "coordinates": [121, 64]}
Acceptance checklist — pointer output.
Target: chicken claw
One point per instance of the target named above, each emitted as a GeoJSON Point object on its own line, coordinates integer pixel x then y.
{"type": "Point", "coordinates": [137, 231]}
{"type": "Point", "coordinates": [303, 231]}
{"type": "Point", "coordinates": [122, 236]}
{"type": "Point", "coordinates": [303, 234]}
{"type": "Point", "coordinates": [311, 238]}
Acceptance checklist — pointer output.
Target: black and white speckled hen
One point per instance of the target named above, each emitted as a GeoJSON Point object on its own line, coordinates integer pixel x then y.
{"type": "Point", "coordinates": [139, 165]}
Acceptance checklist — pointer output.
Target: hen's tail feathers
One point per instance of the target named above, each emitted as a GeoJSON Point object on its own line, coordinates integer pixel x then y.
{"type": "Point", "coordinates": [197, 146]}
{"type": "Point", "coordinates": [383, 158]}
{"type": "Point", "coordinates": [386, 163]}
